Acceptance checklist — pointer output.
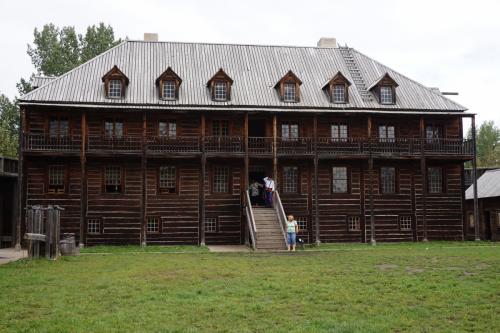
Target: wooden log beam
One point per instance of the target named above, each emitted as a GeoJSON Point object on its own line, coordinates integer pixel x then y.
{"type": "Point", "coordinates": [246, 175]}
{"type": "Point", "coordinates": [201, 186]}
{"type": "Point", "coordinates": [83, 181]}
{"type": "Point", "coordinates": [275, 149]}
{"type": "Point", "coordinates": [20, 178]}
{"type": "Point", "coordinates": [143, 181]}
{"type": "Point", "coordinates": [474, 179]}
{"type": "Point", "coordinates": [423, 170]}
{"type": "Point", "coordinates": [370, 180]}
{"type": "Point", "coordinates": [316, 166]}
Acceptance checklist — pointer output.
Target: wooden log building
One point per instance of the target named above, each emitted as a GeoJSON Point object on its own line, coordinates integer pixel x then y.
{"type": "Point", "coordinates": [156, 142]}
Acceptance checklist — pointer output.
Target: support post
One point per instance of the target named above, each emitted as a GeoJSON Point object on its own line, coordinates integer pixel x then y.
{"type": "Point", "coordinates": [474, 179]}
{"type": "Point", "coordinates": [316, 166]}
{"type": "Point", "coordinates": [201, 186]}
{"type": "Point", "coordinates": [423, 170]}
{"type": "Point", "coordinates": [245, 175]}
{"type": "Point", "coordinates": [275, 149]}
{"type": "Point", "coordinates": [20, 178]}
{"type": "Point", "coordinates": [83, 180]}
{"type": "Point", "coordinates": [143, 181]}
{"type": "Point", "coordinates": [370, 175]}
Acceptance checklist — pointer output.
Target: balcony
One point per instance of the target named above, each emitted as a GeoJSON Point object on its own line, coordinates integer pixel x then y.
{"type": "Point", "coordinates": [179, 144]}
{"type": "Point", "coordinates": [224, 144]}
{"type": "Point", "coordinates": [34, 142]}
{"type": "Point", "coordinates": [260, 145]}
{"type": "Point", "coordinates": [295, 146]}
{"type": "Point", "coordinates": [123, 144]}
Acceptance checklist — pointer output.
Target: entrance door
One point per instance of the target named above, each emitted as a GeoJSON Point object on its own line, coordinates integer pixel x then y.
{"type": "Point", "coordinates": [256, 174]}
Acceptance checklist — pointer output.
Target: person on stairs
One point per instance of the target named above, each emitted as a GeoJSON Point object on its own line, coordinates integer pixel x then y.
{"type": "Point", "coordinates": [269, 188]}
{"type": "Point", "coordinates": [254, 189]}
{"type": "Point", "coordinates": [292, 228]}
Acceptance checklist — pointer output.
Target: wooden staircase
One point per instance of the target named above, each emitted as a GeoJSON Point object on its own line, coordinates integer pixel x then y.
{"type": "Point", "coordinates": [269, 235]}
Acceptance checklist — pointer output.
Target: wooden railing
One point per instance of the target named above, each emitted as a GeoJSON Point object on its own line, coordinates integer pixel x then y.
{"type": "Point", "coordinates": [179, 144]}
{"type": "Point", "coordinates": [295, 146]}
{"type": "Point", "coordinates": [126, 143]}
{"type": "Point", "coordinates": [252, 228]}
{"type": "Point", "coordinates": [393, 147]}
{"type": "Point", "coordinates": [342, 146]}
{"type": "Point", "coordinates": [260, 145]}
{"type": "Point", "coordinates": [45, 142]}
{"type": "Point", "coordinates": [280, 212]}
{"type": "Point", "coordinates": [448, 147]}
{"type": "Point", "coordinates": [224, 144]}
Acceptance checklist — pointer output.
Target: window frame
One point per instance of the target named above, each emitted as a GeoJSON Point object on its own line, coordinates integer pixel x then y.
{"type": "Point", "coordinates": [122, 179]}
{"type": "Point", "coordinates": [110, 87]}
{"type": "Point", "coordinates": [442, 181]}
{"type": "Point", "coordinates": [65, 179]}
{"type": "Point", "coordinates": [212, 180]}
{"type": "Point", "coordinates": [434, 127]}
{"type": "Point", "coordinates": [408, 223]}
{"type": "Point", "coordinates": [165, 189]}
{"type": "Point", "coordinates": [158, 220]}
{"type": "Point", "coordinates": [58, 118]}
{"type": "Point", "coordinates": [168, 123]}
{"type": "Point", "coordinates": [221, 83]}
{"type": "Point", "coordinates": [163, 86]}
{"type": "Point", "coordinates": [392, 91]}
{"type": "Point", "coordinates": [381, 180]}
{"type": "Point", "coordinates": [348, 179]}
{"type": "Point", "coordinates": [100, 225]}
{"type": "Point", "coordinates": [386, 137]}
{"type": "Point", "coordinates": [304, 220]}
{"type": "Point", "coordinates": [344, 89]}
{"type": "Point", "coordinates": [216, 224]}
{"type": "Point", "coordinates": [294, 89]}
{"type": "Point", "coordinates": [220, 121]}
{"type": "Point", "coordinates": [289, 125]}
{"type": "Point", "coordinates": [357, 223]}
{"type": "Point", "coordinates": [114, 121]}
{"type": "Point", "coordinates": [339, 131]}
{"type": "Point", "coordinates": [283, 183]}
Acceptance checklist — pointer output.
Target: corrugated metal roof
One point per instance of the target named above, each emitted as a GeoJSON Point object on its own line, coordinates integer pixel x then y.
{"type": "Point", "coordinates": [488, 185]}
{"type": "Point", "coordinates": [38, 81]}
{"type": "Point", "coordinates": [255, 70]}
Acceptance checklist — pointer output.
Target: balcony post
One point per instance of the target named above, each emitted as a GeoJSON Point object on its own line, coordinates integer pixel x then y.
{"type": "Point", "coordinates": [316, 166]}
{"type": "Point", "coordinates": [20, 178]}
{"type": "Point", "coordinates": [245, 174]}
{"type": "Point", "coordinates": [201, 186]}
{"type": "Point", "coordinates": [83, 180]}
{"type": "Point", "coordinates": [370, 175]}
{"type": "Point", "coordinates": [423, 170]}
{"type": "Point", "coordinates": [474, 179]}
{"type": "Point", "coordinates": [275, 150]}
{"type": "Point", "coordinates": [143, 181]}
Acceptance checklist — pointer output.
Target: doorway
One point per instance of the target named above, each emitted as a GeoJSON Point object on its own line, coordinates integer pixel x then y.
{"type": "Point", "coordinates": [487, 225]}
{"type": "Point", "coordinates": [256, 175]}
{"type": "Point", "coordinates": [257, 127]}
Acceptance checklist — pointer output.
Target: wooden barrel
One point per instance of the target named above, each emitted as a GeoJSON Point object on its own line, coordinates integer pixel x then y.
{"type": "Point", "coordinates": [68, 245]}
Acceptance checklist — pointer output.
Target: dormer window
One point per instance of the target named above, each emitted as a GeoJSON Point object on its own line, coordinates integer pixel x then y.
{"type": "Point", "coordinates": [220, 86]}
{"type": "Point", "coordinates": [384, 88]}
{"type": "Point", "coordinates": [115, 83]}
{"type": "Point", "coordinates": [115, 89]}
{"type": "Point", "coordinates": [386, 95]}
{"type": "Point", "coordinates": [168, 84]}
{"type": "Point", "coordinates": [337, 89]}
{"type": "Point", "coordinates": [289, 92]}
{"type": "Point", "coordinates": [289, 88]}
{"type": "Point", "coordinates": [220, 91]}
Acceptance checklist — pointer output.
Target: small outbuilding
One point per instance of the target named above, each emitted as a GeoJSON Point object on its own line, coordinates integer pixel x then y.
{"type": "Point", "coordinates": [8, 203]}
{"type": "Point", "coordinates": [488, 193]}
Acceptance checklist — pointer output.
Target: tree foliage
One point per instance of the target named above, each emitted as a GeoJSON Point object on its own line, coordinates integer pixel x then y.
{"type": "Point", "coordinates": [487, 144]}
{"type": "Point", "coordinates": [9, 127]}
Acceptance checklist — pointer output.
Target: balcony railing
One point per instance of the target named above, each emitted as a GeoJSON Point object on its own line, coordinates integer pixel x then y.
{"type": "Point", "coordinates": [45, 142]}
{"type": "Point", "coordinates": [405, 147]}
{"type": "Point", "coordinates": [260, 145]}
{"type": "Point", "coordinates": [295, 146]}
{"type": "Point", "coordinates": [224, 144]}
{"type": "Point", "coordinates": [126, 143]}
{"type": "Point", "coordinates": [179, 144]}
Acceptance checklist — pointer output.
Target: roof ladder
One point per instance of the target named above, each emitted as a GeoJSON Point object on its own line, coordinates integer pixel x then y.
{"type": "Point", "coordinates": [359, 82]}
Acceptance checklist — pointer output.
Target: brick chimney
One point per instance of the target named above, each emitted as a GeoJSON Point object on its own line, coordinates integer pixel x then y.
{"type": "Point", "coordinates": [326, 42]}
{"type": "Point", "coordinates": [150, 37]}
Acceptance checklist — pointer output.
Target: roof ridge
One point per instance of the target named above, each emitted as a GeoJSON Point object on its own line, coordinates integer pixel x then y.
{"type": "Point", "coordinates": [412, 80]}
{"type": "Point", "coordinates": [57, 78]}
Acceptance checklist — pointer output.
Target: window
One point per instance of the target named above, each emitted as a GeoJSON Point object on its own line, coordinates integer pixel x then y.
{"type": "Point", "coordinates": [112, 179]}
{"type": "Point", "coordinates": [153, 225]}
{"type": "Point", "coordinates": [220, 127]}
{"type": "Point", "coordinates": [339, 132]}
{"type": "Point", "coordinates": [168, 179]}
{"type": "Point", "coordinates": [433, 133]}
{"type": "Point", "coordinates": [339, 180]}
{"type": "Point", "coordinates": [58, 127]}
{"type": "Point", "coordinates": [353, 223]}
{"type": "Point", "coordinates": [498, 219]}
{"type": "Point", "coordinates": [386, 96]}
{"type": "Point", "coordinates": [115, 89]}
{"type": "Point", "coordinates": [221, 180]}
{"type": "Point", "coordinates": [289, 132]}
{"type": "Point", "coordinates": [405, 222]}
{"type": "Point", "coordinates": [113, 129]}
{"type": "Point", "coordinates": [339, 95]}
{"type": "Point", "coordinates": [290, 180]}
{"type": "Point", "coordinates": [388, 180]}
{"type": "Point", "coordinates": [167, 129]}
{"type": "Point", "coordinates": [210, 224]}
{"type": "Point", "coordinates": [386, 133]}
{"type": "Point", "coordinates": [169, 89]}
{"type": "Point", "coordinates": [302, 223]}
{"type": "Point", "coordinates": [94, 226]}
{"type": "Point", "coordinates": [470, 221]}
{"type": "Point", "coordinates": [289, 92]}
{"type": "Point", "coordinates": [57, 179]}
{"type": "Point", "coordinates": [220, 93]}
{"type": "Point", "coordinates": [435, 180]}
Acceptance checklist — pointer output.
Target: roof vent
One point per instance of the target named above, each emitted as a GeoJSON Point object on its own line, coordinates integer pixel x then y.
{"type": "Point", "coordinates": [150, 37]}
{"type": "Point", "coordinates": [327, 42]}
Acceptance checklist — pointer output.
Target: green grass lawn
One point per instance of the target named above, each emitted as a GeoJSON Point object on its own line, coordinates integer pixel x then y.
{"type": "Point", "coordinates": [433, 287]}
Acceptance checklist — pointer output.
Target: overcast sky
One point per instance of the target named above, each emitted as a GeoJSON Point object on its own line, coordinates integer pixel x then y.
{"type": "Point", "coordinates": [453, 45]}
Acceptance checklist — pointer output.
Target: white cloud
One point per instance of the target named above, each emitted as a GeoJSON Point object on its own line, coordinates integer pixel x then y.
{"type": "Point", "coordinates": [450, 44]}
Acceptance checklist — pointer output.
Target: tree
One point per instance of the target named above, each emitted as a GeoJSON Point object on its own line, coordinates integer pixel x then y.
{"type": "Point", "coordinates": [487, 144]}
{"type": "Point", "coordinates": [9, 127]}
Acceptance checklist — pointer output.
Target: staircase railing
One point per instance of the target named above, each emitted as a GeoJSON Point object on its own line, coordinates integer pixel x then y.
{"type": "Point", "coordinates": [251, 220]}
{"type": "Point", "coordinates": [281, 213]}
